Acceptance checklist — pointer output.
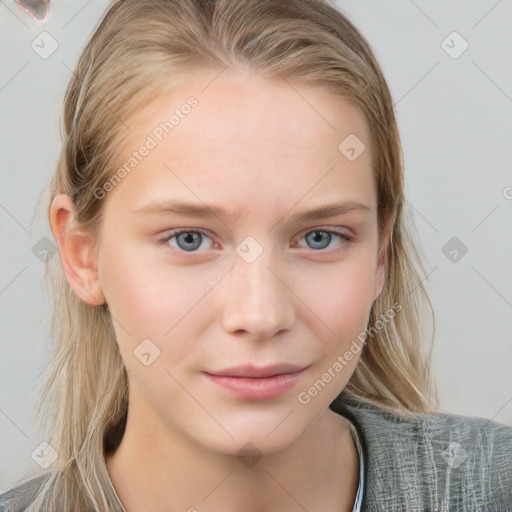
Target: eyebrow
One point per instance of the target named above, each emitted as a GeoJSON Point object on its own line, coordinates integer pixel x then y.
{"type": "Point", "coordinates": [203, 211]}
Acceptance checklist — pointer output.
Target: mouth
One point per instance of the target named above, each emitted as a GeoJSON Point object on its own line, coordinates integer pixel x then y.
{"type": "Point", "coordinates": [258, 383]}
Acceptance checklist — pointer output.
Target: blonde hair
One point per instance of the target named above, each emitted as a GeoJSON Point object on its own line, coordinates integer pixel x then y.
{"type": "Point", "coordinates": [140, 49]}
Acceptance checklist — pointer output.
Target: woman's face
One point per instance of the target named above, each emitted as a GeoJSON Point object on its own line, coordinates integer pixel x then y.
{"type": "Point", "coordinates": [254, 280]}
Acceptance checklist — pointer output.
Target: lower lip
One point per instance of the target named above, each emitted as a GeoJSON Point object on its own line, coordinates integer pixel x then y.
{"type": "Point", "coordinates": [257, 389]}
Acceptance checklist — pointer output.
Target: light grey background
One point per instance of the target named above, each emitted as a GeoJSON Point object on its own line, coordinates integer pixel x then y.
{"type": "Point", "coordinates": [455, 118]}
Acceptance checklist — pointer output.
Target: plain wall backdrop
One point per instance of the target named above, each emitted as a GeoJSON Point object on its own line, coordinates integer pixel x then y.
{"type": "Point", "coordinates": [449, 69]}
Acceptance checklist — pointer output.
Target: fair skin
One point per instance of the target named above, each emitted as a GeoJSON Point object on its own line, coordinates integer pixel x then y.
{"type": "Point", "coordinates": [257, 148]}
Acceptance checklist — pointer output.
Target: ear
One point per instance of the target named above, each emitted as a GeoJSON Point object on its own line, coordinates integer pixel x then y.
{"type": "Point", "coordinates": [77, 252]}
{"type": "Point", "coordinates": [380, 272]}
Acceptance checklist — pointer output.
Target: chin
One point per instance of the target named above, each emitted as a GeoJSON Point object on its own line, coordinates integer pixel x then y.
{"type": "Point", "coordinates": [251, 439]}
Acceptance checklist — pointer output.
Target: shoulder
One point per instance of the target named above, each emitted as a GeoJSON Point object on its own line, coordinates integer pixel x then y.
{"type": "Point", "coordinates": [435, 461]}
{"type": "Point", "coordinates": [19, 496]}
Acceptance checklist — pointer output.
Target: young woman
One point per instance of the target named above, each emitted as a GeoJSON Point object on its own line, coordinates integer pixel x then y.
{"type": "Point", "coordinates": [238, 302]}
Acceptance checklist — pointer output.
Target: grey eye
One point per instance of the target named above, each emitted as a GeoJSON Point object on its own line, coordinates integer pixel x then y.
{"type": "Point", "coordinates": [189, 240]}
{"type": "Point", "coordinates": [319, 239]}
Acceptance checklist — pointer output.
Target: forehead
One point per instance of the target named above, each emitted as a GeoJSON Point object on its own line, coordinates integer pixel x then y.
{"type": "Point", "coordinates": [241, 136]}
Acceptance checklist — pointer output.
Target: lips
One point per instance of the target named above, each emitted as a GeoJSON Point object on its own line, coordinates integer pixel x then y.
{"type": "Point", "coordinates": [251, 383]}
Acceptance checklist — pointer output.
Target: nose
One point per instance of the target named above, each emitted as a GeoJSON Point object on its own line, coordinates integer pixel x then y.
{"type": "Point", "coordinates": [256, 298]}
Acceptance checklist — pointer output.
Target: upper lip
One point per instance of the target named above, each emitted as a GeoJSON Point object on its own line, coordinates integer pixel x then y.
{"type": "Point", "coordinates": [255, 372]}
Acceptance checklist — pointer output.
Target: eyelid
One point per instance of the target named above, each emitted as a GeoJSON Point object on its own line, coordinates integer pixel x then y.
{"type": "Point", "coordinates": [337, 230]}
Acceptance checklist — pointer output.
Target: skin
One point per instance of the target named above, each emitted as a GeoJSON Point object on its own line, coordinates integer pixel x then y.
{"type": "Point", "coordinates": [264, 150]}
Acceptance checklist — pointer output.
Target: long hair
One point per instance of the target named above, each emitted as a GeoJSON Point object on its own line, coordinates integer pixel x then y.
{"type": "Point", "coordinates": [140, 49]}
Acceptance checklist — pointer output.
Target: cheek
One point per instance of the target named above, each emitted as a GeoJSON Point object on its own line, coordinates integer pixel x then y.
{"type": "Point", "coordinates": [138, 290]}
{"type": "Point", "coordinates": [340, 299]}
{"type": "Point", "coordinates": [164, 303]}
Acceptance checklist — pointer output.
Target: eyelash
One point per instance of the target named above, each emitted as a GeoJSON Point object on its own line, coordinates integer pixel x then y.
{"type": "Point", "coordinates": [346, 239]}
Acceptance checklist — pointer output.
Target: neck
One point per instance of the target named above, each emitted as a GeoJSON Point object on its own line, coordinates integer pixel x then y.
{"type": "Point", "coordinates": [156, 468]}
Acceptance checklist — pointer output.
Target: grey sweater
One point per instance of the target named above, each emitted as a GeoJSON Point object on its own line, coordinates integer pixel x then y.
{"type": "Point", "coordinates": [437, 463]}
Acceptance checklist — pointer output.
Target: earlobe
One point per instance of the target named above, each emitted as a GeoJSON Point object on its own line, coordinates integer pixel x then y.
{"type": "Point", "coordinates": [77, 253]}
